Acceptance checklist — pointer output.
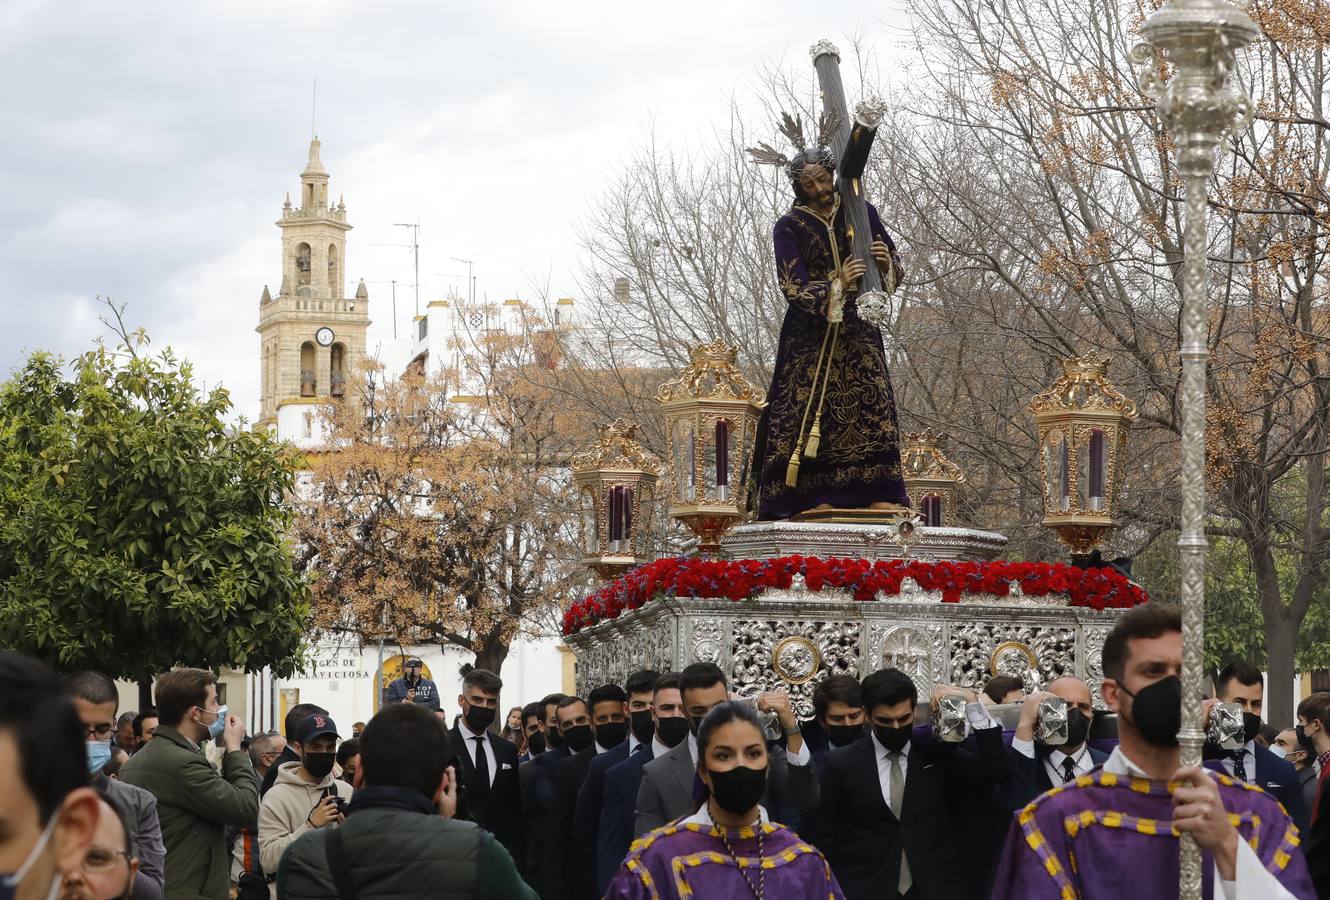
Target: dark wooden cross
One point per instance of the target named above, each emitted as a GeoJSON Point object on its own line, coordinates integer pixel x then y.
{"type": "Point", "coordinates": [851, 144]}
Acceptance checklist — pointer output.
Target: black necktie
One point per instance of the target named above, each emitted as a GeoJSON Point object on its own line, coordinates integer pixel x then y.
{"type": "Point", "coordinates": [482, 765]}
{"type": "Point", "coordinates": [1068, 769]}
{"type": "Point", "coordinates": [1239, 764]}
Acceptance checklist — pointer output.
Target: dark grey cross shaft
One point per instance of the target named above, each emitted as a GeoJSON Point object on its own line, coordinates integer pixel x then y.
{"type": "Point", "coordinates": [851, 143]}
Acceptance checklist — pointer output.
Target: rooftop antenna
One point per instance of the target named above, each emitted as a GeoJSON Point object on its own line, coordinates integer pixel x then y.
{"type": "Point", "coordinates": [415, 252]}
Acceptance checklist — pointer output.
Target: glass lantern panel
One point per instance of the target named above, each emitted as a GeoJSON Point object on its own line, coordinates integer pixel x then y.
{"type": "Point", "coordinates": [1056, 471]}
{"type": "Point", "coordinates": [646, 514]}
{"type": "Point", "coordinates": [685, 475]}
{"type": "Point", "coordinates": [709, 487]}
{"type": "Point", "coordinates": [590, 537]}
{"type": "Point", "coordinates": [1098, 501]}
{"type": "Point", "coordinates": [619, 499]}
{"type": "Point", "coordinates": [723, 445]}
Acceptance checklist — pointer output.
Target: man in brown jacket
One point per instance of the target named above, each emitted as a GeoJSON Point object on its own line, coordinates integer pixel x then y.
{"type": "Point", "coordinates": [194, 802]}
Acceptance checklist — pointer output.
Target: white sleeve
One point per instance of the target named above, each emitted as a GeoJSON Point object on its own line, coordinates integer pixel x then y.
{"type": "Point", "coordinates": [802, 758]}
{"type": "Point", "coordinates": [1254, 881]}
{"type": "Point", "coordinates": [1023, 747]}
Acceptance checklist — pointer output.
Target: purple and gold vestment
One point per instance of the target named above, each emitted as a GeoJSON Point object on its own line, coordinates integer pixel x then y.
{"type": "Point", "coordinates": [858, 462]}
{"type": "Point", "coordinates": [689, 860]}
{"type": "Point", "coordinates": [1111, 836]}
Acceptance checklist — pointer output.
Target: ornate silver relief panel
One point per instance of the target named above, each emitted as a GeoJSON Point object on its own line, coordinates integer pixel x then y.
{"type": "Point", "coordinates": [793, 655]}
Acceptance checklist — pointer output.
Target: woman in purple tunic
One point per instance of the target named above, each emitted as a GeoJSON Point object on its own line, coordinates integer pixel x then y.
{"type": "Point", "coordinates": [728, 848]}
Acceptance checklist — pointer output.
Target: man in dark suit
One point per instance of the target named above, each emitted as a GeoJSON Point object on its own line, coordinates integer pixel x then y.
{"type": "Point", "coordinates": [1035, 767]}
{"type": "Point", "coordinates": [1241, 683]}
{"type": "Point", "coordinates": [488, 763]}
{"type": "Point", "coordinates": [588, 726]}
{"type": "Point", "coordinates": [1314, 724]}
{"type": "Point", "coordinates": [670, 787]}
{"type": "Point", "coordinates": [536, 779]}
{"type": "Point", "coordinates": [533, 732]}
{"type": "Point", "coordinates": [889, 806]}
{"type": "Point", "coordinates": [589, 812]}
{"type": "Point", "coordinates": [1303, 757]}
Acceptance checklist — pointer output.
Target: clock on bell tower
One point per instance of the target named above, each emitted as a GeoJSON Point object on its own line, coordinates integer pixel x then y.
{"type": "Point", "coordinates": [312, 335]}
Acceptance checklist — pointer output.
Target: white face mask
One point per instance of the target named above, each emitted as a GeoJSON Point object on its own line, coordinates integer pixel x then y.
{"type": "Point", "coordinates": [9, 883]}
{"type": "Point", "coordinates": [1277, 750]}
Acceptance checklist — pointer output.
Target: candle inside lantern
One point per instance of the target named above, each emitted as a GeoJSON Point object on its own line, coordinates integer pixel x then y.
{"type": "Point", "coordinates": [1097, 499]}
{"type": "Point", "coordinates": [1065, 468]}
{"type": "Point", "coordinates": [722, 459]}
{"type": "Point", "coordinates": [930, 509]}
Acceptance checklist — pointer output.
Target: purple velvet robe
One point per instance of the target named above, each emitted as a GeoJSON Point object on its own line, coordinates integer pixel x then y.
{"type": "Point", "coordinates": [858, 462]}
{"type": "Point", "coordinates": [688, 860]}
{"type": "Point", "coordinates": [1106, 837]}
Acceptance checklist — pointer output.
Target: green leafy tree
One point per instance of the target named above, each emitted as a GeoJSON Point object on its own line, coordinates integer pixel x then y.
{"type": "Point", "coordinates": [138, 530]}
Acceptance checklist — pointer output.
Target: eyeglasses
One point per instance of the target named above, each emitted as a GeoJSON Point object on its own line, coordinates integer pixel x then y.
{"type": "Point", "coordinates": [99, 732]}
{"type": "Point", "coordinates": [102, 859]}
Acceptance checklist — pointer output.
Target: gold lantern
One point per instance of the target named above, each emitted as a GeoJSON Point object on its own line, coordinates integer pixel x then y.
{"type": "Point", "coordinates": [1083, 422]}
{"type": "Point", "coordinates": [615, 482]}
{"type": "Point", "coordinates": [711, 415]}
{"type": "Point", "coordinates": [930, 478]}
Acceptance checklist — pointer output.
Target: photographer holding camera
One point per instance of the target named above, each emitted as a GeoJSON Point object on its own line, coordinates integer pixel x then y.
{"type": "Point", "coordinates": [305, 795]}
{"type": "Point", "coordinates": [413, 687]}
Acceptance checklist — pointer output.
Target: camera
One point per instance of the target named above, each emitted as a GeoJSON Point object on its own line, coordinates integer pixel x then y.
{"type": "Point", "coordinates": [338, 802]}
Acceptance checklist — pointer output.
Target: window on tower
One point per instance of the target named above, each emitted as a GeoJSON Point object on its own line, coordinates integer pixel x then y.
{"type": "Point", "coordinates": [338, 368]}
{"type": "Point", "coordinates": [308, 385]}
{"type": "Point", "coordinates": [302, 264]}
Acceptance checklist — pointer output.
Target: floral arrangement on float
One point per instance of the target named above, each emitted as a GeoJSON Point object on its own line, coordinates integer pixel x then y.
{"type": "Point", "coordinates": [866, 581]}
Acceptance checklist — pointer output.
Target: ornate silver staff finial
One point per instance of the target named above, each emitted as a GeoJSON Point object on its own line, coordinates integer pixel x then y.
{"type": "Point", "coordinates": [823, 47]}
{"type": "Point", "coordinates": [869, 111]}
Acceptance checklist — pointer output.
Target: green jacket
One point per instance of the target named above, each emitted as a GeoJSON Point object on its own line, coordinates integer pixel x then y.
{"type": "Point", "coordinates": [398, 848]}
{"type": "Point", "coordinates": [195, 804]}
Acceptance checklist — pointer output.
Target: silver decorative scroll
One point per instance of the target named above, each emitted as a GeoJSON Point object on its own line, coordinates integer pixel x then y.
{"type": "Point", "coordinates": [1200, 107]}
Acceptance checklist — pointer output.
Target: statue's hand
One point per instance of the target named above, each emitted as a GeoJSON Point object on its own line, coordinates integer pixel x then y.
{"type": "Point", "coordinates": [853, 271]}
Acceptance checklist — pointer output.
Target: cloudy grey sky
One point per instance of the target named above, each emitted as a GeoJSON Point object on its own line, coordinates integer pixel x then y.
{"type": "Point", "coordinates": [148, 145]}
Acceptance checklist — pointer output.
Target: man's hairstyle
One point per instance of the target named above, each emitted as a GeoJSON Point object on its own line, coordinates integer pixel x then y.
{"type": "Point", "coordinates": [643, 681]}
{"type": "Point", "coordinates": [95, 688]}
{"type": "Point", "coordinates": [349, 748]}
{"type": "Point", "coordinates": [666, 682]}
{"type": "Point", "coordinates": [570, 700]}
{"type": "Point", "coordinates": [179, 691]}
{"type": "Point", "coordinates": [701, 675]}
{"type": "Point", "coordinates": [837, 689]}
{"type": "Point", "coordinates": [1244, 672]}
{"type": "Point", "coordinates": [1000, 686]}
{"type": "Point", "coordinates": [1149, 620]}
{"type": "Point", "coordinates": [1316, 708]}
{"type": "Point", "coordinates": [888, 687]}
{"type": "Point", "coordinates": [404, 746]}
{"type": "Point", "coordinates": [126, 718]}
{"type": "Point", "coordinates": [550, 700]}
{"type": "Point", "coordinates": [261, 744]}
{"type": "Point", "coordinates": [149, 713]}
{"type": "Point", "coordinates": [484, 680]}
{"type": "Point", "coordinates": [533, 709]}
{"type": "Point", "coordinates": [723, 714]}
{"type": "Point", "coordinates": [297, 714]}
{"type": "Point", "coordinates": [606, 693]}
{"type": "Point", "coordinates": [38, 715]}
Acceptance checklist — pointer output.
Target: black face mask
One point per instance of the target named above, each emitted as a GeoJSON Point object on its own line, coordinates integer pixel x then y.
{"type": "Point", "coordinates": [739, 789]}
{"type": "Point", "coordinates": [643, 725]}
{"type": "Point", "coordinates": [894, 739]}
{"type": "Point", "coordinates": [611, 734]}
{"type": "Point", "coordinates": [1078, 727]}
{"type": "Point", "coordinates": [535, 743]}
{"type": "Point", "coordinates": [552, 737]}
{"type": "Point", "coordinates": [478, 718]}
{"type": "Point", "coordinates": [1156, 711]}
{"type": "Point", "coordinates": [318, 764]}
{"type": "Point", "coordinates": [1251, 726]}
{"type": "Point", "coordinates": [578, 737]}
{"type": "Point", "coordinates": [844, 735]}
{"type": "Point", "coordinates": [671, 730]}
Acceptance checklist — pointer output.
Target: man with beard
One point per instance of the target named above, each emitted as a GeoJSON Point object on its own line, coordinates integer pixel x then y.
{"type": "Point", "coordinates": [669, 728]}
{"type": "Point", "coordinates": [1241, 683]}
{"type": "Point", "coordinates": [828, 436]}
{"type": "Point", "coordinates": [487, 764]}
{"type": "Point", "coordinates": [1123, 820]}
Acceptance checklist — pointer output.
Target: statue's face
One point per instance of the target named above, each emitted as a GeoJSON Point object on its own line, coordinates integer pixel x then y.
{"type": "Point", "coordinates": [817, 186]}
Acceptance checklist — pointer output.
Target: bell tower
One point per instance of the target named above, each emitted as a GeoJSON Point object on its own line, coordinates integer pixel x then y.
{"type": "Point", "coordinates": [312, 335]}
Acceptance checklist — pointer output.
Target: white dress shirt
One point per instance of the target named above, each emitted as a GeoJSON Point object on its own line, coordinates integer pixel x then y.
{"type": "Point", "coordinates": [1248, 762]}
{"type": "Point", "coordinates": [1053, 762]}
{"type": "Point", "coordinates": [884, 766]}
{"type": "Point", "coordinates": [703, 817]}
{"type": "Point", "coordinates": [658, 749]}
{"type": "Point", "coordinates": [469, 738]}
{"type": "Point", "coordinates": [1252, 881]}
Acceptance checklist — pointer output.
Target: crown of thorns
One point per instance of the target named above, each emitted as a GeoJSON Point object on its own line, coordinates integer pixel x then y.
{"type": "Point", "coordinates": [766, 155]}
